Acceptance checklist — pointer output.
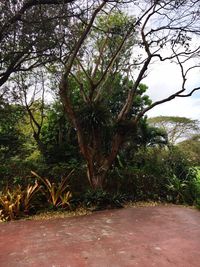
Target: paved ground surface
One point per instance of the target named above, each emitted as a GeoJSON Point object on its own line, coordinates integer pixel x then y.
{"type": "Point", "coordinates": [147, 236]}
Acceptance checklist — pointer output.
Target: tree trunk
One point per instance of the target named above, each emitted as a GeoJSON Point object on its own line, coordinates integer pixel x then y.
{"type": "Point", "coordinates": [96, 175]}
{"type": "Point", "coordinates": [96, 181]}
{"type": "Point", "coordinates": [40, 144]}
{"type": "Point", "coordinates": [98, 164]}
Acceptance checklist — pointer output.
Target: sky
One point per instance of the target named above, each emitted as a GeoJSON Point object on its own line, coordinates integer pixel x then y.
{"type": "Point", "coordinates": [165, 79]}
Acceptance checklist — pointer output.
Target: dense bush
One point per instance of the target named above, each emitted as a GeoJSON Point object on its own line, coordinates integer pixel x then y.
{"type": "Point", "coordinates": [192, 192]}
{"type": "Point", "coordinates": [100, 199]}
{"type": "Point", "coordinates": [149, 174]}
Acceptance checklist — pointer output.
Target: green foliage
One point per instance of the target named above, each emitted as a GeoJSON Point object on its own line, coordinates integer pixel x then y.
{"type": "Point", "coordinates": [138, 185]}
{"type": "Point", "coordinates": [94, 116]}
{"type": "Point", "coordinates": [191, 147]}
{"type": "Point", "coordinates": [176, 189]}
{"type": "Point", "coordinates": [173, 119]}
{"type": "Point", "coordinates": [185, 191]}
{"type": "Point", "coordinates": [116, 23]}
{"type": "Point", "coordinates": [145, 168]}
{"type": "Point", "coordinates": [116, 26]}
{"type": "Point", "coordinates": [192, 194]}
{"type": "Point", "coordinates": [177, 128]}
{"type": "Point", "coordinates": [17, 172]}
{"type": "Point", "coordinates": [11, 140]}
{"type": "Point", "coordinates": [150, 136]}
{"type": "Point", "coordinates": [100, 199]}
{"type": "Point", "coordinates": [114, 99]}
{"type": "Point", "coordinates": [151, 173]}
{"type": "Point", "coordinates": [58, 136]}
{"type": "Point", "coordinates": [35, 36]}
{"type": "Point", "coordinates": [97, 198]}
{"type": "Point", "coordinates": [178, 162]}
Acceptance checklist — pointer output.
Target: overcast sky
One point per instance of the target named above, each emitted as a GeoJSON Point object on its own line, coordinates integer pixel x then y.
{"type": "Point", "coordinates": [165, 79]}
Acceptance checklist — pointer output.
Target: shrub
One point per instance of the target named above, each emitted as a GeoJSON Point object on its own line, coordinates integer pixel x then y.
{"type": "Point", "coordinates": [192, 194]}
{"type": "Point", "coordinates": [138, 184]}
{"type": "Point", "coordinates": [177, 189]}
{"type": "Point", "coordinates": [100, 199]}
{"type": "Point", "coordinates": [17, 201]}
{"type": "Point", "coordinates": [57, 194]}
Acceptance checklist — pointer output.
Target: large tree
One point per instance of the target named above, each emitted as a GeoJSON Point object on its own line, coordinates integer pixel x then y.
{"type": "Point", "coordinates": [157, 25]}
{"type": "Point", "coordinates": [177, 128]}
{"type": "Point", "coordinates": [101, 46]}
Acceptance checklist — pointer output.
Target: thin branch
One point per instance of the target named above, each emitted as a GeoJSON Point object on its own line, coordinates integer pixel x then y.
{"type": "Point", "coordinates": [82, 38]}
{"type": "Point", "coordinates": [191, 92]}
{"type": "Point", "coordinates": [171, 97]}
{"type": "Point", "coordinates": [86, 73]}
{"type": "Point", "coordinates": [101, 50]}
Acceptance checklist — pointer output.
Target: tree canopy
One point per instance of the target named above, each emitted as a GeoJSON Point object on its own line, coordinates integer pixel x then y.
{"type": "Point", "coordinates": [96, 53]}
{"type": "Point", "coordinates": [177, 128]}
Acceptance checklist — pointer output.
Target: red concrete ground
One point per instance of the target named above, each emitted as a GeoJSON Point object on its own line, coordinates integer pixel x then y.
{"type": "Point", "coordinates": [148, 236]}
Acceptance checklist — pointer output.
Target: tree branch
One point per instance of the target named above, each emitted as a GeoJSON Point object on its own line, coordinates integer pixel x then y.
{"type": "Point", "coordinates": [82, 38]}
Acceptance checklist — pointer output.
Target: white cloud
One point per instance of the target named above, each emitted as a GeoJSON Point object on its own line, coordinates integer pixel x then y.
{"type": "Point", "coordinates": [165, 79]}
{"type": "Point", "coordinates": [183, 107]}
